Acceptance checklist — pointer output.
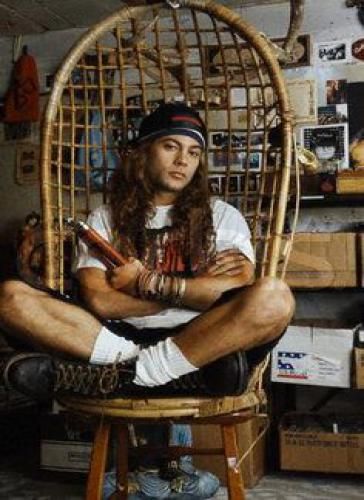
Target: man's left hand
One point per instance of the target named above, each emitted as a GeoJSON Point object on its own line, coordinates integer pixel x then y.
{"type": "Point", "coordinates": [228, 262]}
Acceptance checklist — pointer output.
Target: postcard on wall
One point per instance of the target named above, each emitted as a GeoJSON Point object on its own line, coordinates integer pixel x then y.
{"type": "Point", "coordinates": [329, 143]}
{"type": "Point", "coordinates": [27, 164]}
{"type": "Point", "coordinates": [336, 51]}
{"type": "Point", "coordinates": [333, 113]}
{"type": "Point", "coordinates": [303, 99]}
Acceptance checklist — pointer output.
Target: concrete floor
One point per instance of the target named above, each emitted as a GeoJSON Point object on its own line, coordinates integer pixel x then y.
{"type": "Point", "coordinates": [21, 479]}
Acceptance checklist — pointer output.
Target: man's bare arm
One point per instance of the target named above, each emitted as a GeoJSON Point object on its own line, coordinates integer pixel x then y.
{"type": "Point", "coordinates": [231, 269]}
{"type": "Point", "coordinates": [109, 303]}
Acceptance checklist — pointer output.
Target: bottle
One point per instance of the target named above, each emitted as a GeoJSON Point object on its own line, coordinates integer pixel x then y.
{"type": "Point", "coordinates": [103, 249]}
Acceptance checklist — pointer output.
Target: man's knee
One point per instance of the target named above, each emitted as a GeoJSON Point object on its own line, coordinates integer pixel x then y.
{"type": "Point", "coordinates": [276, 296]}
{"type": "Point", "coordinates": [12, 292]}
{"type": "Point", "coordinates": [275, 305]}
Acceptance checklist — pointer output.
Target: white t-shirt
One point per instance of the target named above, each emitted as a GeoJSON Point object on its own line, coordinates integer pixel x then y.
{"type": "Point", "coordinates": [231, 232]}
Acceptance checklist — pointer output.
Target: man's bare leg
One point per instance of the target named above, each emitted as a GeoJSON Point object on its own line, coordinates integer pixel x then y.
{"type": "Point", "coordinates": [254, 316]}
{"type": "Point", "coordinates": [45, 322]}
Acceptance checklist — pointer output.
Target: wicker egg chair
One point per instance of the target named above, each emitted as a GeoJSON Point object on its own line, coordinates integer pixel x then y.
{"type": "Point", "coordinates": [119, 70]}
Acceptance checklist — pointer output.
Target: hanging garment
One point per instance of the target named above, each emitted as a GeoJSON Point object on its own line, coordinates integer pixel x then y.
{"type": "Point", "coordinates": [21, 102]}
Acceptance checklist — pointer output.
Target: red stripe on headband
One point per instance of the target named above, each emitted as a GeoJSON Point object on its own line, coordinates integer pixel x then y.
{"type": "Point", "coordinates": [182, 118]}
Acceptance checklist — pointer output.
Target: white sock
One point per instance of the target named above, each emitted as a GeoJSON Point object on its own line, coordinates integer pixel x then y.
{"type": "Point", "coordinates": [161, 363]}
{"type": "Point", "coordinates": [109, 348]}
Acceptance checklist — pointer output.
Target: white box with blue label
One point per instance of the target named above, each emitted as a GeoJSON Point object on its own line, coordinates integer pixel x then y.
{"type": "Point", "coordinates": [313, 356]}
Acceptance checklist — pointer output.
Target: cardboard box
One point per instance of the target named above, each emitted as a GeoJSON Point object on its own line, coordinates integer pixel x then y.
{"type": "Point", "coordinates": [331, 447]}
{"type": "Point", "coordinates": [350, 181]}
{"type": "Point", "coordinates": [66, 443]}
{"type": "Point", "coordinates": [253, 466]}
{"type": "Point", "coordinates": [361, 258]}
{"type": "Point", "coordinates": [322, 260]}
{"type": "Point", "coordinates": [359, 368]}
{"type": "Point", "coordinates": [313, 356]}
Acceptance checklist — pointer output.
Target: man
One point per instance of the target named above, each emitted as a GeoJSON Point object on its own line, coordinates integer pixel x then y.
{"type": "Point", "coordinates": [187, 289]}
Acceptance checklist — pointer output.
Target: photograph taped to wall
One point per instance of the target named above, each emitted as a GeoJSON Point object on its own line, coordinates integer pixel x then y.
{"type": "Point", "coordinates": [233, 184]}
{"type": "Point", "coordinates": [27, 164]}
{"type": "Point", "coordinates": [333, 113]}
{"type": "Point", "coordinates": [215, 184]}
{"type": "Point", "coordinates": [337, 51]}
{"type": "Point", "coordinates": [303, 99]}
{"type": "Point", "coordinates": [255, 161]}
{"type": "Point", "coordinates": [220, 160]}
{"type": "Point", "coordinates": [220, 139]}
{"type": "Point", "coordinates": [329, 143]}
{"type": "Point", "coordinates": [336, 91]}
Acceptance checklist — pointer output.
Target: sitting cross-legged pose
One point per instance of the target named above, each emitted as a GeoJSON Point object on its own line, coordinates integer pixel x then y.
{"type": "Point", "coordinates": [183, 315]}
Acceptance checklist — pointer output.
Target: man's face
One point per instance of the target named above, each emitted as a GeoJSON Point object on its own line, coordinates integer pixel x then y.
{"type": "Point", "coordinates": [325, 152]}
{"type": "Point", "coordinates": [173, 162]}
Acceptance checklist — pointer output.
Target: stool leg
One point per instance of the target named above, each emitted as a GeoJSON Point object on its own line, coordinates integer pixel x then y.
{"type": "Point", "coordinates": [122, 461]}
{"type": "Point", "coordinates": [234, 476]}
{"type": "Point", "coordinates": [98, 462]}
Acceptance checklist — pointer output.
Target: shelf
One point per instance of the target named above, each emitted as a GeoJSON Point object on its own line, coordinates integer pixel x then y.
{"type": "Point", "coordinates": [332, 200]}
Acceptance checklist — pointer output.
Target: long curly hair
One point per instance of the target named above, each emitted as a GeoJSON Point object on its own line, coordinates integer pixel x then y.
{"type": "Point", "coordinates": [131, 205]}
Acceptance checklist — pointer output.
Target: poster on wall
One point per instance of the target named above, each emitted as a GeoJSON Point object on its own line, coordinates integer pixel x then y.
{"type": "Point", "coordinates": [337, 51]}
{"type": "Point", "coordinates": [329, 143]}
{"type": "Point", "coordinates": [27, 164]}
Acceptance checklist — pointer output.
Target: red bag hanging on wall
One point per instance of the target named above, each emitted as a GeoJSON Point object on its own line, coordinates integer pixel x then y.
{"type": "Point", "coordinates": [21, 102]}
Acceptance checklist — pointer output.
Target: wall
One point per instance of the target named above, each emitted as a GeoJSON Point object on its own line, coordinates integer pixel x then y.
{"type": "Point", "coordinates": [324, 20]}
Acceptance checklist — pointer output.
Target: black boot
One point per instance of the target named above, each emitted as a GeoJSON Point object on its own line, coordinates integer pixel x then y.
{"type": "Point", "coordinates": [41, 377]}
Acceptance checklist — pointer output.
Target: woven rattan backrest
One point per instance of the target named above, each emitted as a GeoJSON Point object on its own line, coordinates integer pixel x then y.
{"type": "Point", "coordinates": [122, 68]}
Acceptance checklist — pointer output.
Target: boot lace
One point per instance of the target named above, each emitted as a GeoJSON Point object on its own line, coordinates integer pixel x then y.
{"type": "Point", "coordinates": [90, 380]}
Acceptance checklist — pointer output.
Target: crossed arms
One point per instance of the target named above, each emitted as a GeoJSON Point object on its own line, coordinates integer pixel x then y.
{"type": "Point", "coordinates": [111, 294]}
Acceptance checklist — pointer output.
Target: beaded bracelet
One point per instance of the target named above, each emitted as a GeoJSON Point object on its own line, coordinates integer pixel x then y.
{"type": "Point", "coordinates": [154, 286]}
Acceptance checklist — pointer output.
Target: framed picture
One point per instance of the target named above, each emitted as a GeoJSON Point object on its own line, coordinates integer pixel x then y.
{"type": "Point", "coordinates": [303, 98]}
{"type": "Point", "coordinates": [301, 51]}
{"type": "Point", "coordinates": [329, 143]}
{"type": "Point", "coordinates": [337, 51]}
{"type": "Point", "coordinates": [27, 164]}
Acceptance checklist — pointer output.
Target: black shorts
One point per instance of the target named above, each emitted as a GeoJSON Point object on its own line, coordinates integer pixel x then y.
{"type": "Point", "coordinates": [146, 336]}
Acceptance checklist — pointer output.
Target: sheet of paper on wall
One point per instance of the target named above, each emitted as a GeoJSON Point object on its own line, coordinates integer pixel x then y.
{"type": "Point", "coordinates": [303, 99]}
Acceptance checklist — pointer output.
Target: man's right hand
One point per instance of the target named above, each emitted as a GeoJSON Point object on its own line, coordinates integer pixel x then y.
{"type": "Point", "coordinates": [125, 277]}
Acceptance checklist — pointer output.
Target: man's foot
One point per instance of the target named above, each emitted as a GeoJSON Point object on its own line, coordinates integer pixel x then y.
{"type": "Point", "coordinates": [41, 377]}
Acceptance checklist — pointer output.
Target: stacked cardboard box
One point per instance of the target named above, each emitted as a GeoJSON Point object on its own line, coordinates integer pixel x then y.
{"type": "Point", "coordinates": [66, 443]}
{"type": "Point", "coordinates": [322, 443]}
{"type": "Point", "coordinates": [323, 260]}
{"type": "Point", "coordinates": [359, 368]}
{"type": "Point", "coordinates": [313, 356]}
